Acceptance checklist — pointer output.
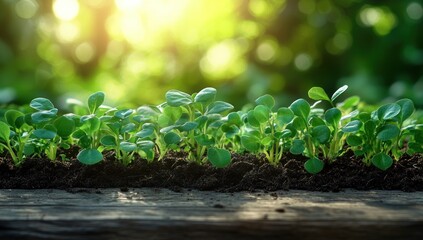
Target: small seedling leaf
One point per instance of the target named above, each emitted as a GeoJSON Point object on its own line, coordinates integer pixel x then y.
{"type": "Point", "coordinates": [354, 140]}
{"type": "Point", "coordinates": [266, 100]}
{"type": "Point", "coordinates": [44, 134]}
{"type": "Point", "coordinates": [314, 165]}
{"type": "Point", "coordinates": [124, 113]}
{"type": "Point", "coordinates": [388, 132]}
{"type": "Point", "coordinates": [108, 141]}
{"type": "Point", "coordinates": [127, 146]}
{"type": "Point", "coordinates": [219, 158]}
{"type": "Point", "coordinates": [261, 113]}
{"type": "Point", "coordinates": [297, 147]}
{"type": "Point", "coordinates": [206, 95]}
{"type": "Point", "coordinates": [333, 116]}
{"type": "Point", "coordinates": [204, 140]}
{"type": "Point", "coordinates": [235, 119]}
{"type": "Point", "coordinates": [41, 104]}
{"type": "Point", "coordinates": [339, 92]}
{"type": "Point", "coordinates": [250, 142]}
{"type": "Point", "coordinates": [171, 138]}
{"type": "Point", "coordinates": [284, 116]}
{"type": "Point", "coordinates": [94, 101]}
{"type": "Point", "coordinates": [188, 126]}
{"type": "Point", "coordinates": [300, 108]}
{"type": "Point", "coordinates": [219, 107]}
{"type": "Point", "coordinates": [176, 98]}
{"type": "Point", "coordinates": [318, 93]}
{"type": "Point", "coordinates": [43, 116]}
{"type": "Point", "coordinates": [65, 126]}
{"type": "Point", "coordinates": [352, 126]}
{"type": "Point", "coordinates": [90, 156]}
{"type": "Point", "coordinates": [388, 111]}
{"type": "Point", "coordinates": [382, 161]}
{"type": "Point", "coordinates": [11, 116]}
{"type": "Point", "coordinates": [407, 108]}
{"type": "Point", "coordinates": [4, 132]}
{"type": "Point", "coordinates": [321, 133]}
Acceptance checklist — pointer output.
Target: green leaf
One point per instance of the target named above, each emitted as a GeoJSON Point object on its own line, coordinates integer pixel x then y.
{"type": "Point", "coordinates": [407, 108]}
{"type": "Point", "coordinates": [219, 158]}
{"type": "Point", "coordinates": [171, 138]}
{"type": "Point", "coordinates": [297, 147]}
{"type": "Point", "coordinates": [388, 132]}
{"type": "Point", "coordinates": [94, 101]}
{"type": "Point", "coordinates": [339, 92]}
{"type": "Point", "coordinates": [90, 124]}
{"type": "Point", "coordinates": [321, 133]}
{"type": "Point", "coordinates": [176, 98]}
{"type": "Point", "coordinates": [127, 146]}
{"type": "Point", "coordinates": [65, 126]}
{"type": "Point", "coordinates": [11, 116]}
{"type": "Point", "coordinates": [261, 113]}
{"type": "Point", "coordinates": [4, 132]}
{"type": "Point", "coordinates": [266, 100]}
{"type": "Point", "coordinates": [219, 107]}
{"type": "Point", "coordinates": [370, 127]}
{"type": "Point", "coordinates": [41, 104]}
{"type": "Point", "coordinates": [314, 165]}
{"type": "Point", "coordinates": [124, 113]}
{"type": "Point", "coordinates": [44, 134]}
{"type": "Point", "coordinates": [318, 93]}
{"type": "Point", "coordinates": [206, 95]}
{"type": "Point", "coordinates": [252, 120]}
{"type": "Point", "coordinates": [349, 102]}
{"type": "Point", "coordinates": [188, 126]}
{"type": "Point", "coordinates": [300, 108]}
{"type": "Point", "coordinates": [382, 161]}
{"type": "Point", "coordinates": [388, 111]}
{"type": "Point", "coordinates": [235, 119]}
{"type": "Point", "coordinates": [333, 116]}
{"type": "Point", "coordinates": [127, 128]}
{"type": "Point", "coordinates": [352, 126]}
{"type": "Point", "coordinates": [299, 124]}
{"type": "Point", "coordinates": [43, 116]}
{"type": "Point", "coordinates": [89, 156]}
{"type": "Point", "coordinates": [108, 141]}
{"type": "Point", "coordinates": [284, 116]}
{"type": "Point", "coordinates": [145, 145]}
{"type": "Point", "coordinates": [354, 140]}
{"type": "Point", "coordinates": [204, 140]}
{"type": "Point", "coordinates": [250, 143]}
{"type": "Point", "coordinates": [316, 121]}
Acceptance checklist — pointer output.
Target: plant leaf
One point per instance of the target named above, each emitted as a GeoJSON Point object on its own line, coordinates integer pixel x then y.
{"type": "Point", "coordinates": [43, 116]}
{"type": "Point", "coordinates": [124, 113]}
{"type": "Point", "coordinates": [176, 98]}
{"type": "Point", "coordinates": [321, 133]}
{"type": "Point", "coordinates": [318, 93]}
{"type": "Point", "coordinates": [95, 100]}
{"type": "Point", "coordinates": [11, 116]}
{"type": "Point", "coordinates": [127, 146]}
{"type": "Point", "coordinates": [204, 140]}
{"type": "Point", "coordinates": [354, 140]}
{"type": "Point", "coordinates": [108, 141]}
{"type": "Point", "coordinates": [235, 119]}
{"type": "Point", "coordinates": [407, 108]}
{"type": "Point", "coordinates": [284, 116]}
{"type": "Point", "coordinates": [388, 132]}
{"type": "Point", "coordinates": [4, 132]}
{"type": "Point", "coordinates": [339, 92]}
{"type": "Point", "coordinates": [219, 107]}
{"type": "Point", "coordinates": [219, 158]}
{"type": "Point", "coordinates": [388, 111]}
{"type": "Point", "coordinates": [188, 126]}
{"type": "Point", "coordinates": [300, 108]}
{"type": "Point", "coordinates": [250, 143]}
{"type": "Point", "coordinates": [382, 161]}
{"type": "Point", "coordinates": [352, 126]}
{"type": "Point", "coordinates": [145, 145]}
{"type": "Point", "coordinates": [297, 147]}
{"type": "Point", "coordinates": [261, 113]}
{"type": "Point", "coordinates": [206, 95]}
{"type": "Point", "coordinates": [89, 156]}
{"type": "Point", "coordinates": [333, 116]}
{"type": "Point", "coordinates": [41, 104]}
{"type": "Point", "coordinates": [65, 126]}
{"type": "Point", "coordinates": [171, 138]}
{"type": "Point", "coordinates": [314, 165]}
{"type": "Point", "coordinates": [44, 134]}
{"type": "Point", "coordinates": [266, 100]}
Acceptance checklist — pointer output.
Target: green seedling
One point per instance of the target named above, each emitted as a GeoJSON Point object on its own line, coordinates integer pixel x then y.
{"type": "Point", "coordinates": [266, 133]}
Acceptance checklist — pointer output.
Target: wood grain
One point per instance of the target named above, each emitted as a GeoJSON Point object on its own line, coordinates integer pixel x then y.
{"type": "Point", "coordinates": [164, 214]}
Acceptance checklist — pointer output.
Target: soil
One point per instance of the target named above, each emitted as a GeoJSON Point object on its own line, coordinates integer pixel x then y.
{"type": "Point", "coordinates": [246, 172]}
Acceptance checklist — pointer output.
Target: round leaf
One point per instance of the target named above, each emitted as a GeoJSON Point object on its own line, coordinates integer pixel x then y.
{"type": "Point", "coordinates": [235, 119]}
{"type": "Point", "coordinates": [172, 138]}
{"type": "Point", "coordinates": [318, 93]}
{"type": "Point", "coordinates": [407, 108]}
{"type": "Point", "coordinates": [127, 146]}
{"type": "Point", "coordinates": [300, 108]}
{"type": "Point", "coordinates": [145, 145]}
{"type": "Point", "coordinates": [314, 165]}
{"type": "Point", "coordinates": [382, 161]}
{"type": "Point", "coordinates": [252, 120]}
{"type": "Point", "coordinates": [388, 111]}
{"type": "Point", "coordinates": [95, 100]}
{"type": "Point", "coordinates": [108, 141]}
{"type": "Point", "coordinates": [176, 98]}
{"type": "Point", "coordinates": [41, 104]}
{"type": "Point", "coordinates": [206, 95]}
{"type": "Point", "coordinates": [333, 116]}
{"type": "Point", "coordinates": [352, 126]}
{"type": "Point", "coordinates": [188, 126]}
{"type": "Point", "coordinates": [284, 116]}
{"type": "Point", "coordinates": [89, 156]}
{"type": "Point", "coordinates": [321, 133]}
{"type": "Point", "coordinates": [44, 134]}
{"type": "Point", "coordinates": [11, 116]}
{"type": "Point", "coordinates": [65, 126]}
{"type": "Point", "coordinates": [354, 141]}
{"type": "Point", "coordinates": [266, 100]}
{"type": "Point", "coordinates": [219, 158]}
{"type": "Point", "coordinates": [43, 116]}
{"type": "Point", "coordinates": [297, 147]}
{"type": "Point", "coordinates": [124, 113]}
{"type": "Point", "coordinates": [204, 140]}
{"type": "Point", "coordinates": [388, 132]}
{"type": "Point", "coordinates": [219, 107]}
{"type": "Point", "coordinates": [250, 143]}
{"type": "Point", "coordinates": [261, 113]}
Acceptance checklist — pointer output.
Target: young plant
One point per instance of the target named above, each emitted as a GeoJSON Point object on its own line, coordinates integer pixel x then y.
{"type": "Point", "coordinates": [383, 134]}
{"type": "Point", "coordinates": [266, 133]}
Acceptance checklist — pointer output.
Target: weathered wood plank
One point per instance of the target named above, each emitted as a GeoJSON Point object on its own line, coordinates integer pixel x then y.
{"type": "Point", "coordinates": [164, 214]}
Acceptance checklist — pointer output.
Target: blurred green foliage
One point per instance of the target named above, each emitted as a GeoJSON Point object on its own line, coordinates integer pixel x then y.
{"type": "Point", "coordinates": [137, 50]}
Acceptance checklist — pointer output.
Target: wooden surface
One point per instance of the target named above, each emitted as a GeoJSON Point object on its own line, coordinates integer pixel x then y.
{"type": "Point", "coordinates": [164, 214]}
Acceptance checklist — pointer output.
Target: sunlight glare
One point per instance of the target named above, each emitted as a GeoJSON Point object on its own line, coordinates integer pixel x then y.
{"type": "Point", "coordinates": [66, 9]}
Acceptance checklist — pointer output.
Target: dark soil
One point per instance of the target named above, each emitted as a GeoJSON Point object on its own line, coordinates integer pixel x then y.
{"type": "Point", "coordinates": [246, 172]}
